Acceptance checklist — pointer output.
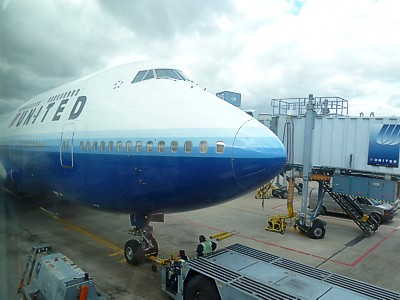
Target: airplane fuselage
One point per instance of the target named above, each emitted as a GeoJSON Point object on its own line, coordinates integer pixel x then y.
{"type": "Point", "coordinates": [120, 141]}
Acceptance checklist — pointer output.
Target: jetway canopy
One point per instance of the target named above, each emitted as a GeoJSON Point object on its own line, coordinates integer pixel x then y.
{"type": "Point", "coordinates": [363, 144]}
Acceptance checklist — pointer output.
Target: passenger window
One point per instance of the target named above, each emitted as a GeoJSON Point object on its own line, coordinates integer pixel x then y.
{"type": "Point", "coordinates": [149, 75]}
{"type": "Point", "coordinates": [149, 146]}
{"type": "Point", "coordinates": [188, 146]}
{"type": "Point", "coordinates": [94, 146]}
{"type": "Point", "coordinates": [128, 146]}
{"type": "Point", "coordinates": [81, 146]}
{"type": "Point", "coordinates": [139, 146]}
{"type": "Point", "coordinates": [102, 145]}
{"type": "Point", "coordinates": [139, 76]}
{"type": "Point", "coordinates": [220, 147]}
{"type": "Point", "coordinates": [110, 146]}
{"type": "Point", "coordinates": [203, 147]}
{"type": "Point", "coordinates": [119, 146]}
{"type": "Point", "coordinates": [161, 146]}
{"type": "Point", "coordinates": [174, 146]}
{"type": "Point", "coordinates": [87, 146]}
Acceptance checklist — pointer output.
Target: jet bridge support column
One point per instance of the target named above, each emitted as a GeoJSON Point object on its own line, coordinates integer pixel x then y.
{"type": "Point", "coordinates": [309, 126]}
{"type": "Point", "coordinates": [308, 223]}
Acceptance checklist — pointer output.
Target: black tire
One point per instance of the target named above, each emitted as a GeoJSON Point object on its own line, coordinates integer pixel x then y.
{"type": "Point", "coordinates": [154, 268]}
{"type": "Point", "coordinates": [133, 252]}
{"type": "Point", "coordinates": [284, 194]}
{"type": "Point", "coordinates": [317, 230]}
{"type": "Point", "coordinates": [201, 288]}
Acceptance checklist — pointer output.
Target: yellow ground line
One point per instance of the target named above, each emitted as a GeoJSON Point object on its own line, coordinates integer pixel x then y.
{"type": "Point", "coordinates": [116, 250]}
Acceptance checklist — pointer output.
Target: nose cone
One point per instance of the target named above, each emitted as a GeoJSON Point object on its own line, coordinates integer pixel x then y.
{"type": "Point", "coordinates": [257, 155]}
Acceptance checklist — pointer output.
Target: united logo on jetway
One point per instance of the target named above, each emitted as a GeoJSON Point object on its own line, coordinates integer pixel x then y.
{"type": "Point", "coordinates": [384, 145]}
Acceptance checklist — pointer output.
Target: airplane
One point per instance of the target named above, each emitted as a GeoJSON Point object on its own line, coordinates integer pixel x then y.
{"type": "Point", "coordinates": [139, 138]}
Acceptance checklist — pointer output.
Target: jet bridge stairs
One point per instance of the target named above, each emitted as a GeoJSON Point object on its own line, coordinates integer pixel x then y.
{"type": "Point", "coordinates": [367, 223]}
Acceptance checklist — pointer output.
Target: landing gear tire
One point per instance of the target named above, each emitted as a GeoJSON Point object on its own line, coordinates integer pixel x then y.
{"type": "Point", "coordinates": [201, 287]}
{"type": "Point", "coordinates": [133, 252]}
{"type": "Point", "coordinates": [317, 230]}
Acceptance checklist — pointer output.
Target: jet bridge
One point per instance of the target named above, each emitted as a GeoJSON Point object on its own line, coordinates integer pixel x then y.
{"type": "Point", "coordinates": [360, 155]}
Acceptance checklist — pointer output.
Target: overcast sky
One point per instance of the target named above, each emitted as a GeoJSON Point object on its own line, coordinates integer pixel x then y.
{"type": "Point", "coordinates": [261, 49]}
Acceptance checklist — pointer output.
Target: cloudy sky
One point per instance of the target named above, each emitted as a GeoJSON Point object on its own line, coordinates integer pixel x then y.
{"type": "Point", "coordinates": [262, 49]}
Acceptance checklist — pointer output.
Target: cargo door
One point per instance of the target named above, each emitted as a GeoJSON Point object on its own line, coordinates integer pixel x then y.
{"type": "Point", "coordinates": [67, 146]}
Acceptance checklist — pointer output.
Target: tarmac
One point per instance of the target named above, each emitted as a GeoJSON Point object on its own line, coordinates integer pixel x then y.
{"type": "Point", "coordinates": [94, 240]}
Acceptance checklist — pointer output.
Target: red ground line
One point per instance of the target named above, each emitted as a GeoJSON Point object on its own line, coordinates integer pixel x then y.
{"type": "Point", "coordinates": [368, 252]}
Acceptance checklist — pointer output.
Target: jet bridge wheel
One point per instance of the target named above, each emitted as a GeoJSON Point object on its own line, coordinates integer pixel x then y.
{"type": "Point", "coordinates": [201, 287]}
{"type": "Point", "coordinates": [317, 230]}
{"type": "Point", "coordinates": [133, 252]}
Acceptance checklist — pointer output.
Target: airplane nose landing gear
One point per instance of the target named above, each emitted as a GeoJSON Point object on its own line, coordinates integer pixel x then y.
{"type": "Point", "coordinates": [143, 244]}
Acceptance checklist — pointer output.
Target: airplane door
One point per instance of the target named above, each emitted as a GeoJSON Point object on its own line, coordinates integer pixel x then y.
{"type": "Point", "coordinates": [66, 146]}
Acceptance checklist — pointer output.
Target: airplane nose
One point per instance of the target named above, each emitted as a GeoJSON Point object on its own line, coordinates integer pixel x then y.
{"type": "Point", "coordinates": [257, 155]}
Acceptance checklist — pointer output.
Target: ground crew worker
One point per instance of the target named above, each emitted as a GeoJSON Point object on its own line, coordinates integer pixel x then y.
{"type": "Point", "coordinates": [182, 256]}
{"type": "Point", "coordinates": [205, 247]}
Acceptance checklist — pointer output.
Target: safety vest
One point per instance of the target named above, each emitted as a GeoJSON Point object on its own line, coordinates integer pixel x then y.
{"type": "Point", "coordinates": [207, 250]}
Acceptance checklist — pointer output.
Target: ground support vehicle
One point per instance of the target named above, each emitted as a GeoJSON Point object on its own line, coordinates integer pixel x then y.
{"type": "Point", "coordinates": [241, 272]}
{"type": "Point", "coordinates": [54, 276]}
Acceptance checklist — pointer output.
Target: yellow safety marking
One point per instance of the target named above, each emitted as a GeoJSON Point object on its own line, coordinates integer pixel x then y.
{"type": "Point", "coordinates": [116, 250]}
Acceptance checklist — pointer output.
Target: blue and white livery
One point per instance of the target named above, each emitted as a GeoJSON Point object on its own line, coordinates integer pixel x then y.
{"type": "Point", "coordinates": [140, 138]}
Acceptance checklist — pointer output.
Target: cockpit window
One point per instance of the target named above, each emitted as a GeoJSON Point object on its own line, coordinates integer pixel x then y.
{"type": "Point", "coordinates": [169, 73]}
{"type": "Point", "coordinates": [139, 76]}
{"type": "Point", "coordinates": [149, 75]}
{"type": "Point", "coordinates": [160, 73]}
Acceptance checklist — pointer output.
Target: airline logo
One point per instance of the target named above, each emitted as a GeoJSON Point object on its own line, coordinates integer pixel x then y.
{"type": "Point", "coordinates": [389, 135]}
{"type": "Point", "coordinates": [51, 112]}
{"type": "Point", "coordinates": [384, 144]}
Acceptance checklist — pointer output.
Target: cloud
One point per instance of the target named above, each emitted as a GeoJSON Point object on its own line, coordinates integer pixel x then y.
{"type": "Point", "coordinates": [262, 49]}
